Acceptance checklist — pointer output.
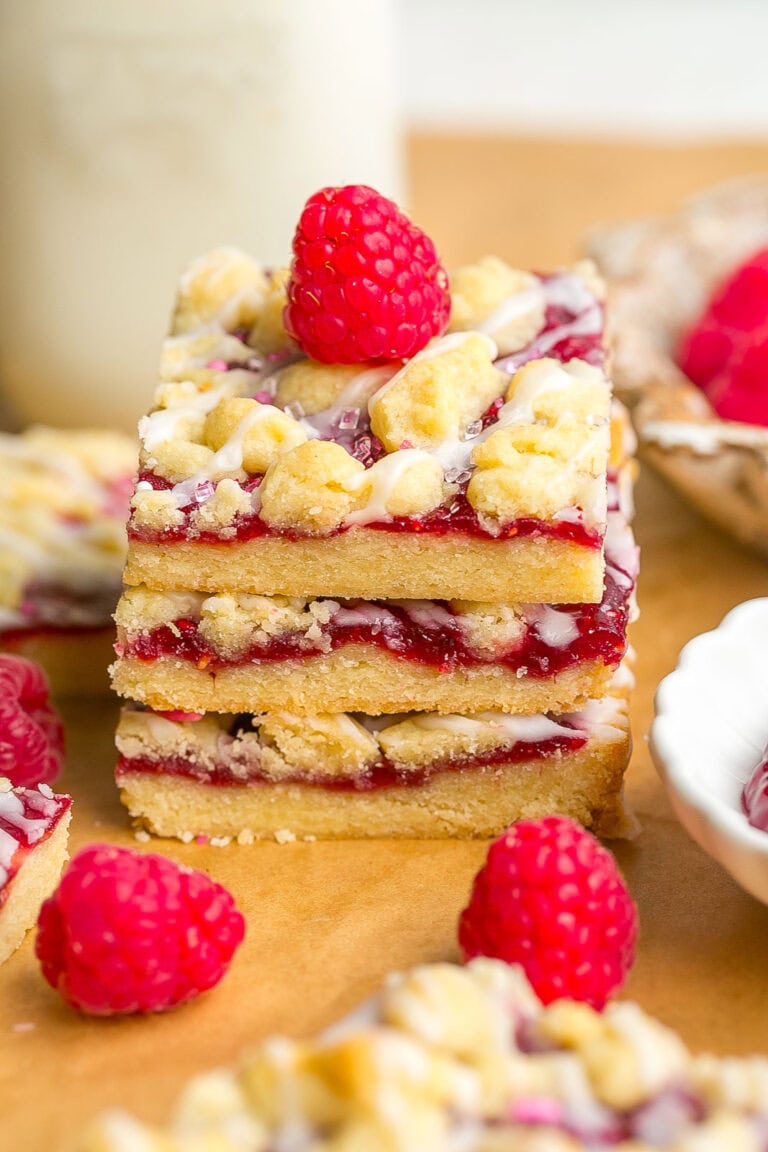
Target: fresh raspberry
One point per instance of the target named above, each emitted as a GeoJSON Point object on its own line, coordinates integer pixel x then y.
{"type": "Point", "coordinates": [726, 350]}
{"type": "Point", "coordinates": [130, 932]}
{"type": "Point", "coordinates": [754, 797]}
{"type": "Point", "coordinates": [31, 732]}
{"type": "Point", "coordinates": [551, 899]}
{"type": "Point", "coordinates": [366, 284]}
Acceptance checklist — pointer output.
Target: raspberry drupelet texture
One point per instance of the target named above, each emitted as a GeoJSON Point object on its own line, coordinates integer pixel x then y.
{"type": "Point", "coordinates": [31, 732]}
{"type": "Point", "coordinates": [128, 932]}
{"type": "Point", "coordinates": [552, 899]}
{"type": "Point", "coordinates": [366, 284]}
{"type": "Point", "coordinates": [726, 351]}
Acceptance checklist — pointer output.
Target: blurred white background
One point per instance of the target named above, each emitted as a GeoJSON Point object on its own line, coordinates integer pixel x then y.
{"type": "Point", "coordinates": [647, 67]}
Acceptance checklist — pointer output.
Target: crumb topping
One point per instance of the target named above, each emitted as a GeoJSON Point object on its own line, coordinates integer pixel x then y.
{"type": "Point", "coordinates": [449, 1057]}
{"type": "Point", "coordinates": [480, 411]}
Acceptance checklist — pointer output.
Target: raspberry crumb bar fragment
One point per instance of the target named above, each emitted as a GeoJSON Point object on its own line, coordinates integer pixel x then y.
{"type": "Point", "coordinates": [62, 548]}
{"type": "Point", "coordinates": [34, 826]}
{"type": "Point", "coordinates": [467, 1058]}
{"type": "Point", "coordinates": [379, 570]}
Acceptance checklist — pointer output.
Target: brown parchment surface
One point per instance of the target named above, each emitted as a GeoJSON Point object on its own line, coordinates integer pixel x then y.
{"type": "Point", "coordinates": [327, 921]}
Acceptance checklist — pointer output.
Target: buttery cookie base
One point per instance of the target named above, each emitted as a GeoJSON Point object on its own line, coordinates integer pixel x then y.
{"type": "Point", "coordinates": [355, 678]}
{"type": "Point", "coordinates": [376, 565]}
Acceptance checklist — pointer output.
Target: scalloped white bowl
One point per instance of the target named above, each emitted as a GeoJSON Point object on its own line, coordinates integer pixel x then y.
{"type": "Point", "coordinates": [710, 731]}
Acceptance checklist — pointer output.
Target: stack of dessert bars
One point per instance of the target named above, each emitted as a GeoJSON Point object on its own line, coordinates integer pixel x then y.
{"type": "Point", "coordinates": [382, 600]}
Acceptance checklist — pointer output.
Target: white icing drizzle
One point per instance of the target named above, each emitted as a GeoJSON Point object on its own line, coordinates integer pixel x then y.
{"type": "Point", "coordinates": [568, 290]}
{"type": "Point", "coordinates": [361, 612]}
{"type": "Point", "coordinates": [365, 1016]}
{"type": "Point", "coordinates": [8, 846]}
{"type": "Point", "coordinates": [12, 811]}
{"type": "Point", "coordinates": [382, 476]}
{"type": "Point", "coordinates": [555, 628]}
{"type": "Point", "coordinates": [621, 552]}
{"type": "Point", "coordinates": [162, 424]}
{"type": "Point", "coordinates": [227, 460]}
{"type": "Point", "coordinates": [519, 410]}
{"type": "Point", "coordinates": [531, 299]}
{"type": "Point", "coordinates": [704, 438]}
{"type": "Point", "coordinates": [583, 1111]}
{"type": "Point", "coordinates": [526, 729]}
{"type": "Point", "coordinates": [356, 394]}
{"type": "Point", "coordinates": [437, 348]}
{"type": "Point", "coordinates": [427, 613]}
{"type": "Point", "coordinates": [589, 323]}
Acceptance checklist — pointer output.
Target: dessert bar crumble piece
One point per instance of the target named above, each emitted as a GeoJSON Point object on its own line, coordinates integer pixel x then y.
{"type": "Point", "coordinates": [34, 826]}
{"type": "Point", "coordinates": [447, 1057]}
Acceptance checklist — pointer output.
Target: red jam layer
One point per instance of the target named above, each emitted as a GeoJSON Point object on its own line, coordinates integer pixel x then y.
{"type": "Point", "coordinates": [440, 645]}
{"type": "Point", "coordinates": [36, 807]}
{"type": "Point", "coordinates": [754, 798]}
{"type": "Point", "coordinates": [383, 774]}
{"type": "Point", "coordinates": [457, 517]}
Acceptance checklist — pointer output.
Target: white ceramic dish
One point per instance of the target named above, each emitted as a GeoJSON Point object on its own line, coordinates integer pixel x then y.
{"type": "Point", "coordinates": [710, 732]}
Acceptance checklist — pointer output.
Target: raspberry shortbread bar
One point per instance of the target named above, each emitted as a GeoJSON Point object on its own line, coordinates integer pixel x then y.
{"type": "Point", "coordinates": [337, 776]}
{"type": "Point", "coordinates": [237, 652]}
{"type": "Point", "coordinates": [467, 1058]}
{"type": "Point", "coordinates": [62, 528]}
{"type": "Point", "coordinates": [34, 826]}
{"type": "Point", "coordinates": [475, 469]}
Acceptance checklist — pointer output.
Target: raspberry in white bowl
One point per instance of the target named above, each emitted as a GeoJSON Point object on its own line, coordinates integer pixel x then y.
{"type": "Point", "coordinates": [706, 763]}
{"type": "Point", "coordinates": [754, 798]}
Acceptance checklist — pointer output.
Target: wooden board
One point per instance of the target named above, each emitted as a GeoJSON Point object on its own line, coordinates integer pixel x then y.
{"type": "Point", "coordinates": [326, 922]}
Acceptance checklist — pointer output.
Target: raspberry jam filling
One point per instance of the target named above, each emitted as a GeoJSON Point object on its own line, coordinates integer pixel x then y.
{"type": "Point", "coordinates": [754, 797]}
{"type": "Point", "coordinates": [382, 774]}
{"type": "Point", "coordinates": [573, 327]}
{"type": "Point", "coordinates": [431, 635]}
{"type": "Point", "coordinates": [28, 816]}
{"type": "Point", "coordinates": [457, 517]}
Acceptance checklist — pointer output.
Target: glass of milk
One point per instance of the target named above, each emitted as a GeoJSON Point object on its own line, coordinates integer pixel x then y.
{"type": "Point", "coordinates": [135, 136]}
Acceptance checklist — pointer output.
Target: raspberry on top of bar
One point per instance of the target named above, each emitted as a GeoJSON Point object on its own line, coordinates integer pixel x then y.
{"type": "Point", "coordinates": [62, 526]}
{"type": "Point", "coordinates": [311, 449]}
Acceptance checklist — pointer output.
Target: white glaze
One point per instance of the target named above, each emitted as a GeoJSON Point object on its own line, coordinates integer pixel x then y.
{"type": "Point", "coordinates": [526, 729]}
{"type": "Point", "coordinates": [703, 438]}
{"type": "Point", "coordinates": [382, 476]}
{"type": "Point", "coordinates": [505, 315]}
{"type": "Point", "coordinates": [356, 394]}
{"type": "Point", "coordinates": [228, 459]}
{"type": "Point", "coordinates": [31, 829]}
{"type": "Point", "coordinates": [554, 627]}
{"type": "Point", "coordinates": [436, 348]}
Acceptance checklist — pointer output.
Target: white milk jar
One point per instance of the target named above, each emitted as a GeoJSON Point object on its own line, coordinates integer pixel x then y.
{"type": "Point", "coordinates": [135, 136]}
